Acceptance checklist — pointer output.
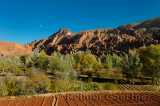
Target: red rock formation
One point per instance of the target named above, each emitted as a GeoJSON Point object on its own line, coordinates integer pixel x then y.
{"type": "Point", "coordinates": [100, 41]}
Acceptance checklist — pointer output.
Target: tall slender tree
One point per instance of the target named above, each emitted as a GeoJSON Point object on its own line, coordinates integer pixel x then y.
{"type": "Point", "coordinates": [131, 65]}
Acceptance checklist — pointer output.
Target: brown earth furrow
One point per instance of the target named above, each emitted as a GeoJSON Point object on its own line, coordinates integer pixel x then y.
{"type": "Point", "coordinates": [13, 102]}
{"type": "Point", "coordinates": [21, 102]}
{"type": "Point", "coordinates": [85, 100]}
{"type": "Point", "coordinates": [88, 100]}
{"type": "Point", "coordinates": [106, 101]}
{"type": "Point", "coordinates": [30, 102]}
{"type": "Point", "coordinates": [81, 101]}
{"type": "Point", "coordinates": [141, 88]}
{"type": "Point", "coordinates": [131, 88]}
{"type": "Point", "coordinates": [48, 101]}
{"type": "Point", "coordinates": [124, 87]}
{"type": "Point", "coordinates": [148, 100]}
{"type": "Point", "coordinates": [119, 87]}
{"type": "Point", "coordinates": [71, 102]}
{"type": "Point", "coordinates": [5, 102]}
{"type": "Point", "coordinates": [121, 101]}
{"type": "Point", "coordinates": [62, 102]}
{"type": "Point", "coordinates": [138, 99]}
{"type": "Point", "coordinates": [155, 96]}
{"type": "Point", "coordinates": [97, 98]}
{"type": "Point", "coordinates": [39, 102]}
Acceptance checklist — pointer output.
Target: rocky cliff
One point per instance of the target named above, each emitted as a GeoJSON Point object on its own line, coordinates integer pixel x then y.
{"type": "Point", "coordinates": [102, 41]}
{"type": "Point", "coordinates": [99, 41]}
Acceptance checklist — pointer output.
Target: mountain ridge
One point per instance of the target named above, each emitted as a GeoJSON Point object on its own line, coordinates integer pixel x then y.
{"type": "Point", "coordinates": [98, 41]}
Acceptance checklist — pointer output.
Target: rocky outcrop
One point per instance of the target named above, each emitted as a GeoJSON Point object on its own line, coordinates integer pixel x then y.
{"type": "Point", "coordinates": [102, 41]}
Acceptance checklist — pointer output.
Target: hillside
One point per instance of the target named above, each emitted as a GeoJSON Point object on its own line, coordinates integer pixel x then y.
{"type": "Point", "coordinates": [99, 41]}
{"type": "Point", "coordinates": [14, 49]}
{"type": "Point", "coordinates": [102, 41]}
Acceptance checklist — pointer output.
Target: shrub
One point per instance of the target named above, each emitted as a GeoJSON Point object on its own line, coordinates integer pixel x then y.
{"type": "Point", "coordinates": [11, 65]}
{"type": "Point", "coordinates": [38, 83]}
{"type": "Point", "coordinates": [92, 86]}
{"type": "Point", "coordinates": [77, 89]}
{"type": "Point", "coordinates": [10, 86]}
{"type": "Point", "coordinates": [89, 87]}
{"type": "Point", "coordinates": [59, 85]}
{"type": "Point", "coordinates": [73, 75]}
{"type": "Point", "coordinates": [62, 75]}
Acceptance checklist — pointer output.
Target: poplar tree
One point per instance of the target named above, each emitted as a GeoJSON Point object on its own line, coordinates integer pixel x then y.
{"type": "Point", "coordinates": [150, 56]}
{"type": "Point", "coordinates": [131, 65]}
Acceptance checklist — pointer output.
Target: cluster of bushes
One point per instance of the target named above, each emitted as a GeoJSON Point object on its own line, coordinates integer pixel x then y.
{"type": "Point", "coordinates": [12, 65]}
{"type": "Point", "coordinates": [35, 83]}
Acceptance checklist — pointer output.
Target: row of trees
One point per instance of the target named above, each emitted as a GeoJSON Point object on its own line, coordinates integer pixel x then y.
{"type": "Point", "coordinates": [145, 61]}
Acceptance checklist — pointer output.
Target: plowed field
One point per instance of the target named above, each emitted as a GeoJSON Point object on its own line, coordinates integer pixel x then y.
{"type": "Point", "coordinates": [44, 101]}
{"type": "Point", "coordinates": [96, 99]}
{"type": "Point", "coordinates": [125, 99]}
{"type": "Point", "coordinates": [127, 87]}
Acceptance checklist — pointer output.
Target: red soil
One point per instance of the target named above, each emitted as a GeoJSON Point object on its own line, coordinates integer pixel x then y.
{"type": "Point", "coordinates": [98, 99]}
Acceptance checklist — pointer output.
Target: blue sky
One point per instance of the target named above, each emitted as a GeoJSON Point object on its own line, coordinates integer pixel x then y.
{"type": "Point", "coordinates": [23, 21]}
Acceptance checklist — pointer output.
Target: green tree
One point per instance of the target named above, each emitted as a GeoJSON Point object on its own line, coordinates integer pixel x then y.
{"type": "Point", "coordinates": [150, 56]}
{"type": "Point", "coordinates": [78, 56]}
{"type": "Point", "coordinates": [26, 60]}
{"type": "Point", "coordinates": [65, 64]}
{"type": "Point", "coordinates": [115, 60]}
{"type": "Point", "coordinates": [56, 61]}
{"type": "Point", "coordinates": [40, 60]}
{"type": "Point", "coordinates": [14, 65]}
{"type": "Point", "coordinates": [98, 66]}
{"type": "Point", "coordinates": [89, 65]}
{"type": "Point", "coordinates": [110, 61]}
{"type": "Point", "coordinates": [131, 65]}
{"type": "Point", "coordinates": [107, 62]}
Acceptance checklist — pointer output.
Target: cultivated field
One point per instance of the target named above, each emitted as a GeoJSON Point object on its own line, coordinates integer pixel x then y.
{"type": "Point", "coordinates": [127, 87]}
{"type": "Point", "coordinates": [90, 99]}
{"type": "Point", "coordinates": [43, 101]}
{"type": "Point", "coordinates": [125, 99]}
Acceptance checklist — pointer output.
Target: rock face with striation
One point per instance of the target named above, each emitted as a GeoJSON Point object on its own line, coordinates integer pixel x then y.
{"type": "Point", "coordinates": [102, 41]}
